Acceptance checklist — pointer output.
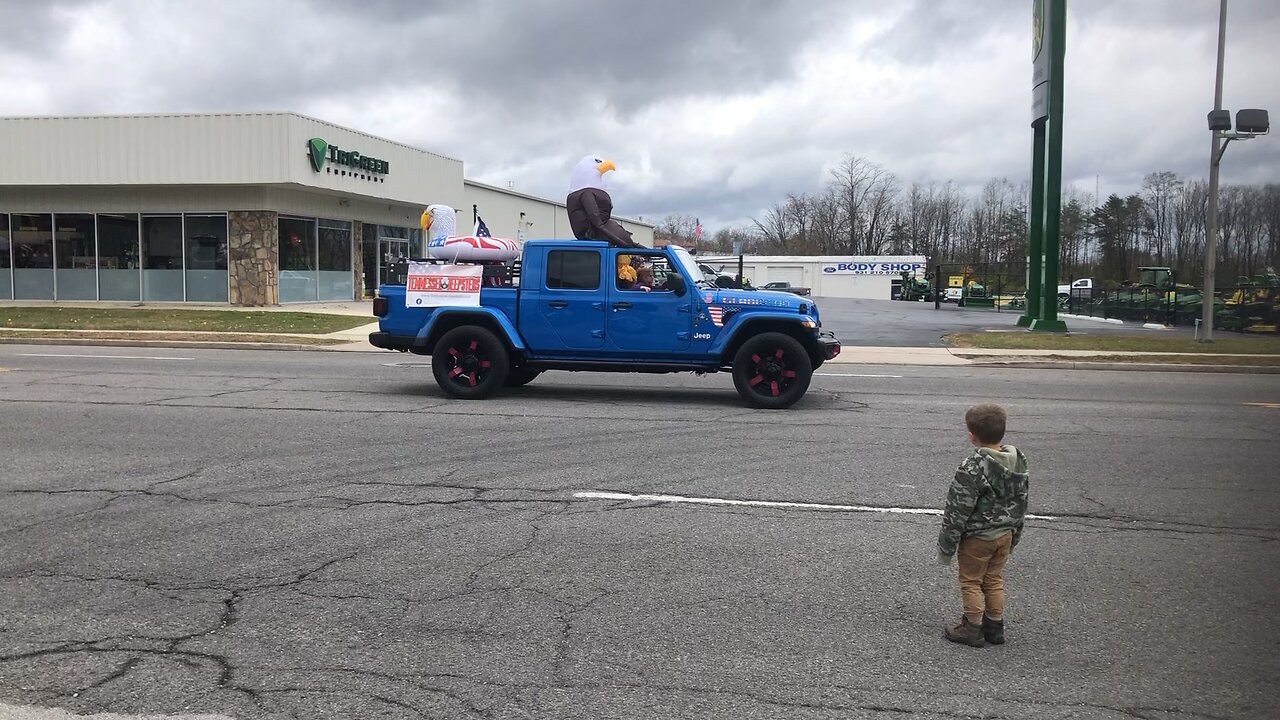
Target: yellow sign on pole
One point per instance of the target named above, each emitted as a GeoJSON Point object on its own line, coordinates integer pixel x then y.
{"type": "Point", "coordinates": [955, 281]}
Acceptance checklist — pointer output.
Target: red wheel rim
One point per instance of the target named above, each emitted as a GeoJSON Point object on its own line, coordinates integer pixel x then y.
{"type": "Point", "coordinates": [469, 364]}
{"type": "Point", "coordinates": [772, 372]}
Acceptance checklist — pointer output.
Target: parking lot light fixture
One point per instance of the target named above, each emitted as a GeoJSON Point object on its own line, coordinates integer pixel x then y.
{"type": "Point", "coordinates": [1250, 123]}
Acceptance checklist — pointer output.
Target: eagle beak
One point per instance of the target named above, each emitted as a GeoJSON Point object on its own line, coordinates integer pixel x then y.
{"type": "Point", "coordinates": [605, 166]}
{"type": "Point", "coordinates": [426, 219]}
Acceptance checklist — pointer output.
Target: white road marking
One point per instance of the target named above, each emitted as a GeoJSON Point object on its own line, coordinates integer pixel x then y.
{"type": "Point", "coordinates": [110, 357]}
{"type": "Point", "coordinates": [768, 503]}
{"type": "Point", "coordinates": [854, 376]}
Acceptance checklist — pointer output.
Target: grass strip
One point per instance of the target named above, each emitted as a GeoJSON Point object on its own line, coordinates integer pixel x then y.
{"type": "Point", "coordinates": [1235, 360]}
{"type": "Point", "coordinates": [247, 321]}
{"type": "Point", "coordinates": [169, 336]}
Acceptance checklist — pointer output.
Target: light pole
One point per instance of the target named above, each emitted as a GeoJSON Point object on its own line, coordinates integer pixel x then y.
{"type": "Point", "coordinates": [1249, 124]}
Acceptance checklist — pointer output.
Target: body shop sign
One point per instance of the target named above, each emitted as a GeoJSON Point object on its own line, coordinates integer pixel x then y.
{"type": "Point", "coordinates": [431, 285]}
{"type": "Point", "coordinates": [875, 266]}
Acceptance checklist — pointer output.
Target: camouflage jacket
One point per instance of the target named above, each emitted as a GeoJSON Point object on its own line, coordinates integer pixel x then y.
{"type": "Point", "coordinates": [987, 498]}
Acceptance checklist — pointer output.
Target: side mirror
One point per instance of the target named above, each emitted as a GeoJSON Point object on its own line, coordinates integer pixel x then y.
{"type": "Point", "coordinates": [675, 283]}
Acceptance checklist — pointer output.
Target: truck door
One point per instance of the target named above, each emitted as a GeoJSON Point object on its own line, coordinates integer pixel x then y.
{"type": "Point", "coordinates": [567, 310]}
{"type": "Point", "coordinates": [656, 321]}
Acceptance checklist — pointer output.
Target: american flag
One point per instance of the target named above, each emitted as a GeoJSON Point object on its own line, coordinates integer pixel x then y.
{"type": "Point", "coordinates": [480, 242]}
{"type": "Point", "coordinates": [717, 315]}
{"type": "Point", "coordinates": [481, 229]}
{"type": "Point", "coordinates": [697, 229]}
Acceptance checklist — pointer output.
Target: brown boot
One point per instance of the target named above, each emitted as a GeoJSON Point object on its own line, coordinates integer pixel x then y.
{"type": "Point", "coordinates": [966, 633]}
{"type": "Point", "coordinates": [993, 630]}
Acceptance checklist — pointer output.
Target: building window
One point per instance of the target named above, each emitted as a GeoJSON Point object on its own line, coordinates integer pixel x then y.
{"type": "Point", "coordinates": [162, 257]}
{"type": "Point", "coordinates": [573, 269]}
{"type": "Point", "coordinates": [393, 247]}
{"type": "Point", "coordinates": [334, 276]}
{"type": "Point", "coordinates": [6, 260]}
{"type": "Point", "coordinates": [76, 256]}
{"type": "Point", "coordinates": [206, 257]}
{"type": "Point", "coordinates": [32, 237]}
{"type": "Point", "coordinates": [118, 259]}
{"type": "Point", "coordinates": [298, 274]}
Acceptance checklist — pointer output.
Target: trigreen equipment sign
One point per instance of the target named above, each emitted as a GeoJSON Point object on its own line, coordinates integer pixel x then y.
{"type": "Point", "coordinates": [319, 151]}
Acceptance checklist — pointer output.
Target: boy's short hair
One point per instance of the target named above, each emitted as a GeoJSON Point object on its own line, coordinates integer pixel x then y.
{"type": "Point", "coordinates": [986, 422]}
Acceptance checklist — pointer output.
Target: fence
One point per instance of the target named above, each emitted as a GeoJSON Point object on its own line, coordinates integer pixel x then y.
{"type": "Point", "coordinates": [1000, 286]}
{"type": "Point", "coordinates": [1241, 308]}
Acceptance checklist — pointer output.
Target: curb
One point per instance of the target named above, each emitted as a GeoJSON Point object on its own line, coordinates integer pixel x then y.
{"type": "Point", "coordinates": [1130, 367]}
{"type": "Point", "coordinates": [1112, 321]}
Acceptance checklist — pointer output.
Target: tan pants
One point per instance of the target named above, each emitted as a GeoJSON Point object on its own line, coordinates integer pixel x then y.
{"type": "Point", "coordinates": [981, 565]}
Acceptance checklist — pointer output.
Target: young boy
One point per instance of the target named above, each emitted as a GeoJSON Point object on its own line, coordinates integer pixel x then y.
{"type": "Point", "coordinates": [982, 523]}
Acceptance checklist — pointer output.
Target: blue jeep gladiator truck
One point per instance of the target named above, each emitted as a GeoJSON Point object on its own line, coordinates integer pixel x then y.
{"type": "Point", "coordinates": [567, 305]}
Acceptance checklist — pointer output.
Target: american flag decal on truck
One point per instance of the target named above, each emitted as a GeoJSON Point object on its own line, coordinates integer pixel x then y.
{"type": "Point", "coordinates": [717, 315]}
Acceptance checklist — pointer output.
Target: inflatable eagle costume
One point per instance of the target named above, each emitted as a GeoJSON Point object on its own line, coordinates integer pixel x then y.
{"type": "Point", "coordinates": [590, 207]}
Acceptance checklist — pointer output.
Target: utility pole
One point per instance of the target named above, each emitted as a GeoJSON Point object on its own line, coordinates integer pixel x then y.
{"type": "Point", "coordinates": [1211, 223]}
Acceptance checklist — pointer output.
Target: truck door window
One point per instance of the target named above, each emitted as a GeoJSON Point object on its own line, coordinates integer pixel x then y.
{"type": "Point", "coordinates": [573, 269]}
{"type": "Point", "coordinates": [647, 272]}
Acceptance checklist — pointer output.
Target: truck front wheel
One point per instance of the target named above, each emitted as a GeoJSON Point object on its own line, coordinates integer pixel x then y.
{"type": "Point", "coordinates": [772, 370]}
{"type": "Point", "coordinates": [470, 362]}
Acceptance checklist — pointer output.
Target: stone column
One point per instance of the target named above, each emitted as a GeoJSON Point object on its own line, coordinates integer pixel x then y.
{"type": "Point", "coordinates": [253, 252]}
{"type": "Point", "coordinates": [357, 258]}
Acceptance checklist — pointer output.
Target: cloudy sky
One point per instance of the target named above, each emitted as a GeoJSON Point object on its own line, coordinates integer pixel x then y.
{"type": "Point", "coordinates": [715, 109]}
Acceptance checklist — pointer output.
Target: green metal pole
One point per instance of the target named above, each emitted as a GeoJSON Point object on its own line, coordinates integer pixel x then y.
{"type": "Point", "coordinates": [1048, 320]}
{"type": "Point", "coordinates": [1035, 238]}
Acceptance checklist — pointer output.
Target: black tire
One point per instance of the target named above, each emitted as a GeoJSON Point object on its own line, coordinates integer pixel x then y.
{"type": "Point", "coordinates": [772, 370]}
{"type": "Point", "coordinates": [521, 376]}
{"type": "Point", "coordinates": [470, 362]}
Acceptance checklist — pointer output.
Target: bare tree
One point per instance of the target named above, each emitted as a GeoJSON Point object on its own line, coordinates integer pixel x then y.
{"type": "Point", "coordinates": [774, 230]}
{"type": "Point", "coordinates": [854, 180]}
{"type": "Point", "coordinates": [1159, 190]}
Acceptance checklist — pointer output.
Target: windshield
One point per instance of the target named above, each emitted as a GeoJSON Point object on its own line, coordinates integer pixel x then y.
{"type": "Point", "coordinates": [687, 263]}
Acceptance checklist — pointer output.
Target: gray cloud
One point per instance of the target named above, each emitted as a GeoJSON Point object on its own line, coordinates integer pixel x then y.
{"type": "Point", "coordinates": [712, 109]}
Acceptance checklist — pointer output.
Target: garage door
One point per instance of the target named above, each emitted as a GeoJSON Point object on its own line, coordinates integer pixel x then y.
{"type": "Point", "coordinates": [791, 274]}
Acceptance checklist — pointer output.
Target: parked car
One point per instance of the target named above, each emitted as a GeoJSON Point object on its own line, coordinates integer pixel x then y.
{"type": "Point", "coordinates": [719, 278]}
{"type": "Point", "coordinates": [1082, 287]}
{"type": "Point", "coordinates": [784, 286]}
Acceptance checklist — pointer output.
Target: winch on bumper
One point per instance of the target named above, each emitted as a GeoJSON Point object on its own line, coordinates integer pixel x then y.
{"type": "Point", "coordinates": [828, 345]}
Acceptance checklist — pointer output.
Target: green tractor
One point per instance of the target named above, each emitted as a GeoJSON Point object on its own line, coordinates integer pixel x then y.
{"type": "Point", "coordinates": [916, 289]}
{"type": "Point", "coordinates": [1153, 296]}
{"type": "Point", "coordinates": [1254, 303]}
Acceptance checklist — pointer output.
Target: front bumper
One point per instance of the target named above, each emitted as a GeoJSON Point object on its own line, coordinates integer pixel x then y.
{"type": "Point", "coordinates": [387, 341]}
{"type": "Point", "coordinates": [828, 345]}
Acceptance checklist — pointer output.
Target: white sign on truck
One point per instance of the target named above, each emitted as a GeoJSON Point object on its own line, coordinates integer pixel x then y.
{"type": "Point", "coordinates": [432, 285]}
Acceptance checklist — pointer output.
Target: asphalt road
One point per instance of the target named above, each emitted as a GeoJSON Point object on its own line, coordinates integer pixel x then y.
{"type": "Point", "coordinates": [890, 323]}
{"type": "Point", "coordinates": [323, 535]}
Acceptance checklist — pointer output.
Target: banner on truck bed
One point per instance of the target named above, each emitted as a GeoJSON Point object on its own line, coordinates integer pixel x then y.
{"type": "Point", "coordinates": [430, 285]}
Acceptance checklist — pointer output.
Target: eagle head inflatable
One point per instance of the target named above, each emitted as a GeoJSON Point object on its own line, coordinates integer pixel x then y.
{"type": "Point", "coordinates": [590, 207]}
{"type": "Point", "coordinates": [439, 221]}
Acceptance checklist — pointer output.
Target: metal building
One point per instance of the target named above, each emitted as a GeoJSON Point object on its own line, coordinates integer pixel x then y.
{"type": "Point", "coordinates": [240, 208]}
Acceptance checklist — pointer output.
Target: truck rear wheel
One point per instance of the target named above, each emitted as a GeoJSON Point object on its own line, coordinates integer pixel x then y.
{"type": "Point", "coordinates": [772, 370]}
{"type": "Point", "coordinates": [470, 362]}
